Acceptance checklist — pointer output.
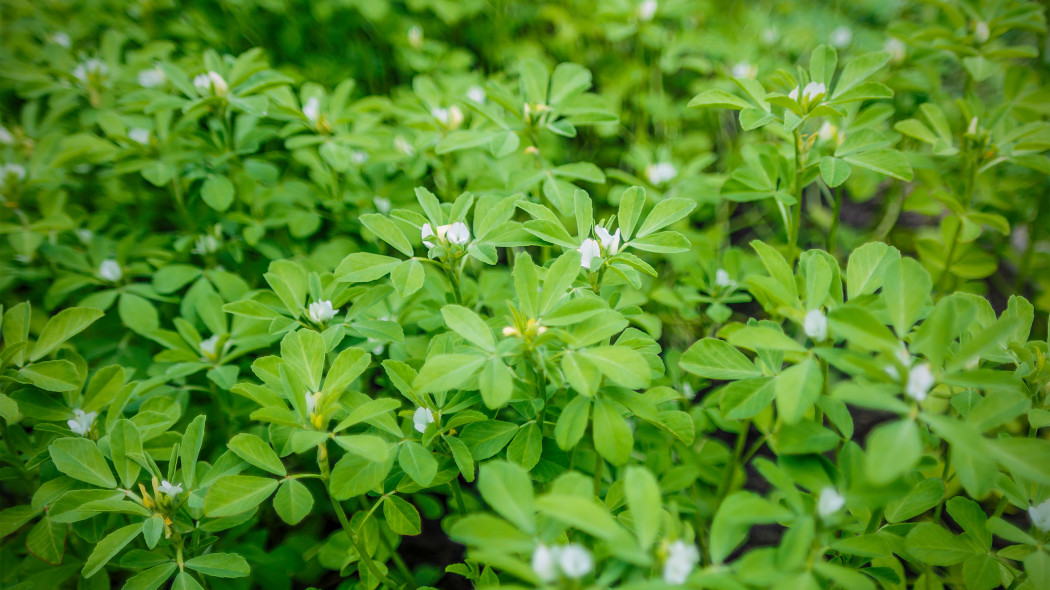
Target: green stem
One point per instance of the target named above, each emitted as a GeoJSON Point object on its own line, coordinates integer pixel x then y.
{"type": "Point", "coordinates": [833, 233]}
{"type": "Point", "coordinates": [738, 451]}
{"type": "Point", "coordinates": [399, 563]}
{"type": "Point", "coordinates": [457, 493]}
{"type": "Point", "coordinates": [322, 464]}
{"type": "Point", "coordinates": [796, 209]}
{"type": "Point", "coordinates": [598, 475]}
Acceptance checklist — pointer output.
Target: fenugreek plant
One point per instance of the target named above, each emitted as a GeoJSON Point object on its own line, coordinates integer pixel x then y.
{"type": "Point", "coordinates": [637, 294]}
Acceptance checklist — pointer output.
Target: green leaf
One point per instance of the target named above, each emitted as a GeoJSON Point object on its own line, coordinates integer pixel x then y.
{"type": "Point", "coordinates": [485, 530]}
{"type": "Point", "coordinates": [643, 500]}
{"type": "Point", "coordinates": [612, 436]}
{"type": "Point", "coordinates": [152, 578]}
{"type": "Point", "coordinates": [220, 565]}
{"type": "Point", "coordinates": [861, 329]}
{"type": "Point", "coordinates": [469, 325]}
{"type": "Point", "coordinates": [417, 462]}
{"type": "Point", "coordinates": [859, 69]}
{"type": "Point", "coordinates": [496, 383]}
{"type": "Point", "coordinates": [58, 375]}
{"type": "Point", "coordinates": [507, 488]}
{"type": "Point", "coordinates": [192, 439]}
{"type": "Point", "coordinates": [622, 365]}
{"type": "Point", "coordinates": [581, 513]}
{"type": "Point", "coordinates": [125, 444]}
{"type": "Point", "coordinates": [61, 327]}
{"type": "Point", "coordinates": [526, 446]}
{"type": "Point", "coordinates": [932, 544]}
{"type": "Point", "coordinates": [184, 581]}
{"type": "Point", "coordinates": [80, 459]}
{"type": "Point", "coordinates": [217, 192]}
{"type": "Point", "coordinates": [719, 98]}
{"type": "Point", "coordinates": [763, 338]}
{"type": "Point", "coordinates": [152, 529]}
{"type": "Point", "coordinates": [747, 398]}
{"type": "Point", "coordinates": [443, 372]}
{"type": "Point", "coordinates": [735, 516]}
{"type": "Point", "coordinates": [461, 455]}
{"type": "Point", "coordinates": [236, 494]}
{"type": "Point", "coordinates": [401, 517]}
{"type": "Point", "coordinates": [834, 171]}
{"type": "Point", "coordinates": [715, 359]}
{"type": "Point", "coordinates": [108, 548]}
{"type": "Point", "coordinates": [664, 214]}
{"type": "Point", "coordinates": [797, 389]}
{"type": "Point", "coordinates": [884, 161]}
{"type": "Point", "coordinates": [362, 267]}
{"type": "Point", "coordinates": [893, 449]}
{"type": "Point", "coordinates": [387, 231]}
{"type": "Point", "coordinates": [906, 287]}
{"type": "Point", "coordinates": [47, 540]}
{"type": "Point", "coordinates": [354, 475]}
{"type": "Point", "coordinates": [572, 424]}
{"type": "Point", "coordinates": [304, 351]}
{"type": "Point", "coordinates": [407, 277]}
{"type": "Point", "coordinates": [255, 451]}
{"type": "Point", "coordinates": [867, 267]}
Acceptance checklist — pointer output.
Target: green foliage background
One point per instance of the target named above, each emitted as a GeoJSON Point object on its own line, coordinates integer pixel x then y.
{"type": "Point", "coordinates": [585, 294]}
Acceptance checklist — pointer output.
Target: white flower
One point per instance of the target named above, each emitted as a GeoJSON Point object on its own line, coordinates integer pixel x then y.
{"type": "Point", "coordinates": [358, 157]}
{"type": "Point", "coordinates": [610, 242]}
{"type": "Point", "coordinates": [170, 490]}
{"type": "Point", "coordinates": [770, 35]}
{"type": "Point", "coordinates": [209, 83]}
{"type": "Point", "coordinates": [84, 235]}
{"type": "Point", "coordinates": [312, 109]}
{"type": "Point", "coordinates": [827, 131]}
{"type": "Point", "coordinates": [82, 421]}
{"type": "Point", "coordinates": [110, 270]}
{"type": "Point", "coordinates": [661, 173]}
{"type": "Point", "coordinates": [91, 67]}
{"type": "Point", "coordinates": [321, 311]}
{"type": "Point", "coordinates": [545, 562]}
{"type": "Point", "coordinates": [744, 70]}
{"type": "Point", "coordinates": [61, 38]}
{"type": "Point", "coordinates": [589, 250]}
{"type": "Point", "coordinates": [441, 114]}
{"type": "Point", "coordinates": [415, 37]}
{"type": "Point", "coordinates": [153, 77]}
{"type": "Point", "coordinates": [813, 91]}
{"type": "Point", "coordinates": [206, 244]}
{"type": "Point", "coordinates": [208, 345]}
{"type": "Point", "coordinates": [311, 402]}
{"type": "Point", "coordinates": [971, 129]}
{"type": "Point", "coordinates": [509, 331]}
{"type": "Point", "coordinates": [16, 170]}
{"type": "Point", "coordinates": [139, 135]}
{"type": "Point", "coordinates": [816, 325]}
{"type": "Point", "coordinates": [830, 502]}
{"type": "Point", "coordinates": [5, 136]}
{"type": "Point", "coordinates": [896, 48]}
{"type": "Point", "coordinates": [841, 37]}
{"type": "Point", "coordinates": [920, 380]}
{"type": "Point", "coordinates": [1040, 516]}
{"type": "Point", "coordinates": [458, 233]}
{"type": "Point", "coordinates": [382, 204]}
{"type": "Point", "coordinates": [455, 117]}
{"type": "Point", "coordinates": [722, 279]}
{"type": "Point", "coordinates": [682, 557]}
{"type": "Point", "coordinates": [421, 418]}
{"type": "Point", "coordinates": [575, 561]}
{"type": "Point", "coordinates": [476, 94]}
{"type": "Point", "coordinates": [980, 31]}
{"type": "Point", "coordinates": [402, 145]}
{"type": "Point", "coordinates": [647, 10]}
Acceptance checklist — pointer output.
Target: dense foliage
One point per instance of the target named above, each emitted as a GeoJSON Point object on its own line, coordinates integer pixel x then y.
{"type": "Point", "coordinates": [584, 294]}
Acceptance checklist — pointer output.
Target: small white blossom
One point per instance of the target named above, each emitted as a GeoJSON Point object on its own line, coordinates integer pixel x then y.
{"type": "Point", "coordinates": [153, 77]}
{"type": "Point", "coordinates": [110, 270]}
{"type": "Point", "coordinates": [575, 561]}
{"type": "Point", "coordinates": [841, 37]}
{"type": "Point", "coordinates": [682, 557]}
{"type": "Point", "coordinates": [610, 242]}
{"type": "Point", "coordinates": [382, 204]}
{"type": "Point", "coordinates": [457, 233]}
{"type": "Point", "coordinates": [208, 345]}
{"type": "Point", "coordinates": [770, 35]}
{"type": "Point", "coordinates": [510, 331]}
{"type": "Point", "coordinates": [210, 83]}
{"type": "Point", "coordinates": [816, 325]}
{"type": "Point", "coordinates": [827, 131]}
{"type": "Point", "coordinates": [62, 39]}
{"type": "Point", "coordinates": [415, 37]}
{"type": "Point", "coordinates": [170, 490]}
{"type": "Point", "coordinates": [312, 109]}
{"type": "Point", "coordinates": [402, 145]}
{"type": "Point", "coordinates": [358, 157]}
{"type": "Point", "coordinates": [589, 250]}
{"type": "Point", "coordinates": [421, 418]}
{"type": "Point", "coordinates": [312, 400]}
{"type": "Point", "coordinates": [206, 244]}
{"type": "Point", "coordinates": [84, 235]}
{"type": "Point", "coordinates": [82, 421]}
{"type": "Point", "coordinates": [139, 135]}
{"type": "Point", "coordinates": [5, 136]}
{"type": "Point", "coordinates": [647, 10]}
{"type": "Point", "coordinates": [812, 92]}
{"type": "Point", "coordinates": [896, 48]}
{"type": "Point", "coordinates": [661, 173]}
{"type": "Point", "coordinates": [90, 67]}
{"type": "Point", "coordinates": [744, 69]}
{"type": "Point", "coordinates": [829, 502]}
{"type": "Point", "coordinates": [441, 114]}
{"type": "Point", "coordinates": [16, 170]}
{"type": "Point", "coordinates": [321, 311]}
{"type": "Point", "coordinates": [722, 279]}
{"type": "Point", "coordinates": [476, 94]}
{"type": "Point", "coordinates": [920, 380]}
{"type": "Point", "coordinates": [980, 31]}
{"type": "Point", "coordinates": [545, 562]}
{"type": "Point", "coordinates": [971, 129]}
{"type": "Point", "coordinates": [1040, 516]}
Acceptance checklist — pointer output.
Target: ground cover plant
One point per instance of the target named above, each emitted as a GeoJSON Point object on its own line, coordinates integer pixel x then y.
{"type": "Point", "coordinates": [586, 294]}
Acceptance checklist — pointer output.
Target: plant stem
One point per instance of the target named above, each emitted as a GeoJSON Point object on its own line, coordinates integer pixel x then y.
{"type": "Point", "coordinates": [738, 452]}
{"type": "Point", "coordinates": [833, 233]}
{"type": "Point", "coordinates": [322, 464]}
{"type": "Point", "coordinates": [457, 493]}
{"type": "Point", "coordinates": [796, 209]}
